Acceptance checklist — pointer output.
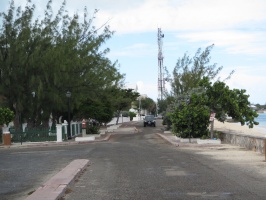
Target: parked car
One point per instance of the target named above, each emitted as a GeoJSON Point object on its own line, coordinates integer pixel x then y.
{"type": "Point", "coordinates": [149, 120]}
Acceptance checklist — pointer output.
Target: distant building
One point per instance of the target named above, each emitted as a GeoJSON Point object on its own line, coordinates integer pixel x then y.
{"type": "Point", "coordinates": [253, 107]}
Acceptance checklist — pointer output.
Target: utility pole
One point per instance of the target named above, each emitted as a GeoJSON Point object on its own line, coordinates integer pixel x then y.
{"type": "Point", "coordinates": [161, 81]}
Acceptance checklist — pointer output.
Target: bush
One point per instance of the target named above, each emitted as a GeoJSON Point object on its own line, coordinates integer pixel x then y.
{"type": "Point", "coordinates": [218, 134]}
{"type": "Point", "coordinates": [190, 119]}
{"type": "Point", "coordinates": [131, 115]}
{"type": "Point", "coordinates": [167, 122]}
{"type": "Point", "coordinates": [6, 116]}
{"type": "Point", "coordinates": [92, 130]}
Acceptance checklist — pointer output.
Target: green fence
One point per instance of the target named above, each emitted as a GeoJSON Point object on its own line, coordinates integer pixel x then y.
{"type": "Point", "coordinates": [41, 134]}
{"type": "Point", "coordinates": [1, 141]}
{"type": "Point", "coordinates": [32, 135]}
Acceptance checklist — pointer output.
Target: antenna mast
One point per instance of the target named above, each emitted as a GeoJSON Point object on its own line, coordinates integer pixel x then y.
{"type": "Point", "coordinates": [161, 81]}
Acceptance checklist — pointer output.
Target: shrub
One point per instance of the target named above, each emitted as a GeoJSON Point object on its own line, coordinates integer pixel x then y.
{"type": "Point", "coordinates": [190, 120]}
{"type": "Point", "coordinates": [131, 115]}
{"type": "Point", "coordinates": [6, 116]}
{"type": "Point", "coordinates": [92, 130]}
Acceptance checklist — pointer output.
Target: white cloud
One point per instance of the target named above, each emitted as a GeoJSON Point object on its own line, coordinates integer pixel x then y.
{"type": "Point", "coordinates": [185, 15]}
{"type": "Point", "coordinates": [135, 50]}
{"type": "Point", "coordinates": [150, 89]}
{"type": "Point", "coordinates": [146, 15]}
{"type": "Point", "coordinates": [237, 25]}
{"type": "Point", "coordinates": [252, 80]}
{"type": "Point", "coordinates": [233, 41]}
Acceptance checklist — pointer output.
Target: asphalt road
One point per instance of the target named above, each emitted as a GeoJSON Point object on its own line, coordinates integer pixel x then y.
{"type": "Point", "coordinates": [129, 166]}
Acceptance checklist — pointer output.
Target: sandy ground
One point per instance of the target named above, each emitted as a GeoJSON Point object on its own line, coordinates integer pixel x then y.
{"type": "Point", "coordinates": [237, 128]}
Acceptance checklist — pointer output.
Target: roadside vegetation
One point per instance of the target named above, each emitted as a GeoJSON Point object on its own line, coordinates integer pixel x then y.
{"type": "Point", "coordinates": [196, 92]}
{"type": "Point", "coordinates": [41, 59]}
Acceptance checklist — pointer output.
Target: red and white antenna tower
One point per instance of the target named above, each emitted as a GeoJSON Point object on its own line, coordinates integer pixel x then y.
{"type": "Point", "coordinates": [161, 81]}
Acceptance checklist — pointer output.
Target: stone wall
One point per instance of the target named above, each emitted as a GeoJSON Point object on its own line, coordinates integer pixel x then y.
{"type": "Point", "coordinates": [249, 142]}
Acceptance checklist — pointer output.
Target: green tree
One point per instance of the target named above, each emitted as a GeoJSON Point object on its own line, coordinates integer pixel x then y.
{"type": "Point", "coordinates": [122, 99]}
{"type": "Point", "coordinates": [189, 71]}
{"type": "Point", "coordinates": [191, 80]}
{"type": "Point", "coordinates": [164, 103]}
{"type": "Point", "coordinates": [49, 57]}
{"type": "Point", "coordinates": [192, 119]}
{"type": "Point", "coordinates": [149, 105]}
{"type": "Point", "coordinates": [226, 102]}
{"type": "Point", "coordinates": [100, 109]}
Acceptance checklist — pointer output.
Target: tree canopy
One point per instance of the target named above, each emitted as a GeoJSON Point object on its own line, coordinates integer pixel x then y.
{"type": "Point", "coordinates": [48, 57]}
{"type": "Point", "coordinates": [189, 71]}
{"type": "Point", "coordinates": [149, 105]}
{"type": "Point", "coordinates": [194, 97]}
{"type": "Point", "coordinates": [123, 99]}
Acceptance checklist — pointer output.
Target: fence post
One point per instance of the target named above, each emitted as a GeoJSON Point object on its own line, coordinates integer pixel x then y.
{"type": "Point", "coordinates": [6, 136]}
{"type": "Point", "coordinates": [24, 125]}
{"type": "Point", "coordinates": [59, 133]}
{"type": "Point", "coordinates": [83, 127]}
{"type": "Point", "coordinates": [78, 126]}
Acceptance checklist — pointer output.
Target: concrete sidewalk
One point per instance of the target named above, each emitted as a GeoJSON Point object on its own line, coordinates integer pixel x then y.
{"type": "Point", "coordinates": [101, 138]}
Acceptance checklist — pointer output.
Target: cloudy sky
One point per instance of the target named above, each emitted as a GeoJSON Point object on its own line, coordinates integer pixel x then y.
{"type": "Point", "coordinates": [237, 28]}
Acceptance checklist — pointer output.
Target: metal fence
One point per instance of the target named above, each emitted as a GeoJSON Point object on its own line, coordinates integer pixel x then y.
{"type": "Point", "coordinates": [1, 141]}
{"type": "Point", "coordinates": [32, 135]}
{"type": "Point", "coordinates": [41, 134]}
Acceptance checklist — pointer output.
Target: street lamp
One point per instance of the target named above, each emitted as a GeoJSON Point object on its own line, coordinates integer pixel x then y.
{"type": "Point", "coordinates": [68, 95]}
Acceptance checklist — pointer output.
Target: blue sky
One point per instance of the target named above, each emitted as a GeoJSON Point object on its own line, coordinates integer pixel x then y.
{"type": "Point", "coordinates": [237, 28]}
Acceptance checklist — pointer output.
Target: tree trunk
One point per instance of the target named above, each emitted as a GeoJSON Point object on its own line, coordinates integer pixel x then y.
{"type": "Point", "coordinates": [17, 119]}
{"type": "Point", "coordinates": [118, 115]}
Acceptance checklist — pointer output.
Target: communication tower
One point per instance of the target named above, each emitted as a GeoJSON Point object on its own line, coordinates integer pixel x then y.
{"type": "Point", "coordinates": [161, 81]}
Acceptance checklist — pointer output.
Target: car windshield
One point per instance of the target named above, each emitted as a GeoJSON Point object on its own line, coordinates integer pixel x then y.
{"type": "Point", "coordinates": [149, 117]}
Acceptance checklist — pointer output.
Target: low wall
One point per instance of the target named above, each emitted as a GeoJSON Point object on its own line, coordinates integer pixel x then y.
{"type": "Point", "coordinates": [249, 142]}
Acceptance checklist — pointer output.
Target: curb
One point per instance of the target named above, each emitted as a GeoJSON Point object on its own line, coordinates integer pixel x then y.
{"type": "Point", "coordinates": [167, 139]}
{"type": "Point", "coordinates": [46, 144]}
{"type": "Point", "coordinates": [188, 145]}
{"type": "Point", "coordinates": [56, 187]}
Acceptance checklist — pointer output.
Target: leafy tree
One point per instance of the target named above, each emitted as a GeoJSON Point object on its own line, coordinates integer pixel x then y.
{"type": "Point", "coordinates": [103, 106]}
{"type": "Point", "coordinates": [122, 99]}
{"type": "Point", "coordinates": [225, 102]}
{"type": "Point", "coordinates": [164, 103]}
{"type": "Point", "coordinates": [149, 105]}
{"type": "Point", "coordinates": [189, 71]}
{"type": "Point", "coordinates": [193, 118]}
{"type": "Point", "coordinates": [49, 57]}
{"type": "Point", "coordinates": [192, 79]}
{"type": "Point", "coordinates": [100, 109]}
